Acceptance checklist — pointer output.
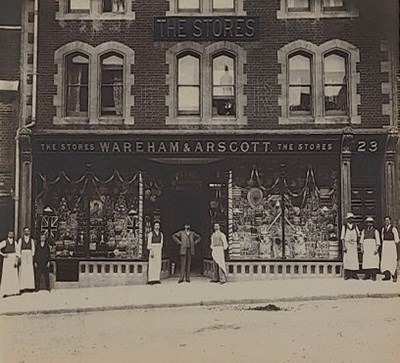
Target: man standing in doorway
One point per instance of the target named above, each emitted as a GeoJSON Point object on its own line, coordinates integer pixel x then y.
{"type": "Point", "coordinates": [187, 239]}
{"type": "Point", "coordinates": [390, 238]}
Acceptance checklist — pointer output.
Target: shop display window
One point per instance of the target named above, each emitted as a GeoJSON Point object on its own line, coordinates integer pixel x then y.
{"type": "Point", "coordinates": [296, 200]}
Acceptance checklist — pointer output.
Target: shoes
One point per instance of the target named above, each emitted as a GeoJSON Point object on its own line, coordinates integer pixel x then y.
{"type": "Point", "coordinates": [180, 281]}
{"type": "Point", "coordinates": [222, 282]}
{"type": "Point", "coordinates": [355, 277]}
{"type": "Point", "coordinates": [373, 278]}
{"type": "Point", "coordinates": [213, 281]}
{"type": "Point", "coordinates": [386, 278]}
{"type": "Point", "coordinates": [188, 280]}
{"type": "Point", "coordinates": [346, 277]}
{"type": "Point", "coordinates": [394, 278]}
{"type": "Point", "coordinates": [366, 277]}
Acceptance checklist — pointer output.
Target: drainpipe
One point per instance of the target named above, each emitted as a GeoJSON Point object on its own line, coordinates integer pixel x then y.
{"type": "Point", "coordinates": [33, 122]}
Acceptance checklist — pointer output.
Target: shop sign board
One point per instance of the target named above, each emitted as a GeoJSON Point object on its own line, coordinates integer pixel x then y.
{"type": "Point", "coordinates": [209, 147]}
{"type": "Point", "coordinates": [207, 28]}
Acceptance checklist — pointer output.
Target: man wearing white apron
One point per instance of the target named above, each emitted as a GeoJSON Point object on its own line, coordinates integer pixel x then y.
{"type": "Point", "coordinates": [26, 249]}
{"type": "Point", "coordinates": [370, 243]}
{"type": "Point", "coordinates": [10, 281]}
{"type": "Point", "coordinates": [349, 238]}
{"type": "Point", "coordinates": [390, 237]}
{"type": "Point", "coordinates": [155, 242]}
{"type": "Point", "coordinates": [218, 246]}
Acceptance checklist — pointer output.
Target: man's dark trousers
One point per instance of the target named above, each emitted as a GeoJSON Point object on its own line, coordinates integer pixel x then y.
{"type": "Point", "coordinates": [186, 262]}
{"type": "Point", "coordinates": [38, 273]}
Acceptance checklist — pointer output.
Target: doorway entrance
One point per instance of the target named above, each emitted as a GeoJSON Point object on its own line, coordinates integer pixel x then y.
{"type": "Point", "coordinates": [187, 202]}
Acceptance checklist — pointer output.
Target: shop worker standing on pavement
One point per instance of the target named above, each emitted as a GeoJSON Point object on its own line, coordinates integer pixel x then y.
{"type": "Point", "coordinates": [349, 238]}
{"type": "Point", "coordinates": [10, 281]}
{"type": "Point", "coordinates": [26, 249]}
{"type": "Point", "coordinates": [187, 239]}
{"type": "Point", "coordinates": [218, 246]}
{"type": "Point", "coordinates": [370, 243]}
{"type": "Point", "coordinates": [155, 241]}
{"type": "Point", "coordinates": [42, 262]}
{"type": "Point", "coordinates": [390, 239]}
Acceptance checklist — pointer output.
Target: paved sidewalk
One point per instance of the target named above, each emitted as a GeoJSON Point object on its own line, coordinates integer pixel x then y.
{"type": "Point", "coordinates": [198, 292]}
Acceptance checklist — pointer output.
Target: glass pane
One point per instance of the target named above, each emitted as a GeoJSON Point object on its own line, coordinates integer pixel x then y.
{"type": "Point", "coordinates": [77, 84]}
{"type": "Point", "coordinates": [335, 69]}
{"type": "Point", "coordinates": [189, 5]}
{"type": "Point", "coordinates": [298, 4]}
{"type": "Point", "coordinates": [112, 85]}
{"type": "Point", "coordinates": [188, 70]}
{"type": "Point", "coordinates": [336, 98]}
{"type": "Point", "coordinates": [188, 100]}
{"type": "Point", "coordinates": [299, 68]}
{"type": "Point", "coordinates": [300, 99]}
{"type": "Point", "coordinates": [223, 71]}
{"type": "Point", "coordinates": [223, 106]}
{"type": "Point", "coordinates": [79, 6]}
{"type": "Point", "coordinates": [332, 3]}
{"type": "Point", "coordinates": [223, 4]}
{"type": "Point", "coordinates": [113, 6]}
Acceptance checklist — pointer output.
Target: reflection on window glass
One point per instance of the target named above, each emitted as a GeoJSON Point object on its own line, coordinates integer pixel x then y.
{"type": "Point", "coordinates": [224, 99]}
{"type": "Point", "coordinates": [79, 6]}
{"type": "Point", "coordinates": [113, 6]}
{"type": "Point", "coordinates": [189, 85]}
{"type": "Point", "coordinates": [335, 84]}
{"type": "Point", "coordinates": [298, 5]}
{"type": "Point", "coordinates": [112, 88]}
{"type": "Point", "coordinates": [77, 85]}
{"type": "Point", "coordinates": [332, 4]}
{"type": "Point", "coordinates": [219, 5]}
{"type": "Point", "coordinates": [300, 84]}
{"type": "Point", "coordinates": [188, 5]}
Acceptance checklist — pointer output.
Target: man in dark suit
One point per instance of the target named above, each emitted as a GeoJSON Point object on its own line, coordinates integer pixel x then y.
{"type": "Point", "coordinates": [187, 239]}
{"type": "Point", "coordinates": [42, 262]}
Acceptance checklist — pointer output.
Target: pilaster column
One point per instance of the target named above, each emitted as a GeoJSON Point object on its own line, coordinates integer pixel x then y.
{"type": "Point", "coordinates": [345, 170]}
{"type": "Point", "coordinates": [390, 173]}
{"type": "Point", "coordinates": [25, 169]}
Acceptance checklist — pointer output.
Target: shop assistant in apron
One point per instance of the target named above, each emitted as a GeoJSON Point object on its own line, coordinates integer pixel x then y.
{"type": "Point", "coordinates": [370, 243]}
{"type": "Point", "coordinates": [155, 242]}
{"type": "Point", "coordinates": [390, 238]}
{"type": "Point", "coordinates": [349, 237]}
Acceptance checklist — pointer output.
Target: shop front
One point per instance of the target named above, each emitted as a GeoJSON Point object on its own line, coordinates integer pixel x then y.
{"type": "Point", "coordinates": [279, 201]}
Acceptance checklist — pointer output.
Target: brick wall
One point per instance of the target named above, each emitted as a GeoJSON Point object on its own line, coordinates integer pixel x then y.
{"type": "Point", "coordinates": [376, 20]}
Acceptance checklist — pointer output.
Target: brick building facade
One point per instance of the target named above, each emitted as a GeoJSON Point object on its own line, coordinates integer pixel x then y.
{"type": "Point", "coordinates": [272, 118]}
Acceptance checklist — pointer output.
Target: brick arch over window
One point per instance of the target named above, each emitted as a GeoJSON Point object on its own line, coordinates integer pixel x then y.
{"type": "Point", "coordinates": [94, 54]}
{"type": "Point", "coordinates": [318, 52]}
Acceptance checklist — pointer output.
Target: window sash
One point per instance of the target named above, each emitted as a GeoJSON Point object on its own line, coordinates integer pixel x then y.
{"type": "Point", "coordinates": [328, 5]}
{"type": "Point", "coordinates": [304, 104]}
{"type": "Point", "coordinates": [112, 90]}
{"type": "Point", "coordinates": [337, 103]}
{"type": "Point", "coordinates": [79, 6]}
{"type": "Point", "coordinates": [222, 7]}
{"type": "Point", "coordinates": [298, 5]}
{"type": "Point", "coordinates": [184, 108]}
{"type": "Point", "coordinates": [194, 6]}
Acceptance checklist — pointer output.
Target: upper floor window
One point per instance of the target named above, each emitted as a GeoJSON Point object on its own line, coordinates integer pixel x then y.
{"type": "Point", "coordinates": [300, 84]}
{"type": "Point", "coordinates": [335, 84]}
{"type": "Point", "coordinates": [223, 86]}
{"type": "Point", "coordinates": [298, 5]}
{"type": "Point", "coordinates": [295, 9]}
{"type": "Point", "coordinates": [79, 6]}
{"type": "Point", "coordinates": [188, 5]}
{"type": "Point", "coordinates": [112, 87]}
{"type": "Point", "coordinates": [94, 84]}
{"type": "Point", "coordinates": [113, 6]}
{"type": "Point", "coordinates": [223, 5]}
{"type": "Point", "coordinates": [95, 10]}
{"type": "Point", "coordinates": [189, 85]}
{"type": "Point", "coordinates": [206, 7]}
{"type": "Point", "coordinates": [319, 84]}
{"type": "Point", "coordinates": [77, 84]}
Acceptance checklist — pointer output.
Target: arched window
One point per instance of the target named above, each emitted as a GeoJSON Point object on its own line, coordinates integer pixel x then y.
{"type": "Point", "coordinates": [223, 85]}
{"type": "Point", "coordinates": [335, 84]}
{"type": "Point", "coordinates": [112, 87]}
{"type": "Point", "coordinates": [300, 89]}
{"type": "Point", "coordinates": [77, 84]}
{"type": "Point", "coordinates": [189, 85]}
{"type": "Point", "coordinates": [223, 5]}
{"type": "Point", "coordinates": [188, 5]}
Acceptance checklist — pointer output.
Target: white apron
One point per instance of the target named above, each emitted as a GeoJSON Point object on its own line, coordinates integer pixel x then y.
{"type": "Point", "coordinates": [9, 282]}
{"type": "Point", "coordinates": [218, 256]}
{"type": "Point", "coordinates": [350, 258]}
{"type": "Point", "coordinates": [154, 270]}
{"type": "Point", "coordinates": [389, 257]}
{"type": "Point", "coordinates": [370, 260]}
{"type": "Point", "coordinates": [26, 272]}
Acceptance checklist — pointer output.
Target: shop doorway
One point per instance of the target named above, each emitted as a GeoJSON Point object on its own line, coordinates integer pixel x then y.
{"type": "Point", "coordinates": [187, 202]}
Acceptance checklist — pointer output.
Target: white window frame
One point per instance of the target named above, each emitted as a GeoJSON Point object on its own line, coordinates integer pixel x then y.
{"type": "Point", "coordinates": [206, 8]}
{"type": "Point", "coordinates": [95, 12]}
{"type": "Point", "coordinates": [94, 108]}
{"type": "Point", "coordinates": [206, 53]}
{"type": "Point", "coordinates": [316, 11]}
{"type": "Point", "coordinates": [318, 103]}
